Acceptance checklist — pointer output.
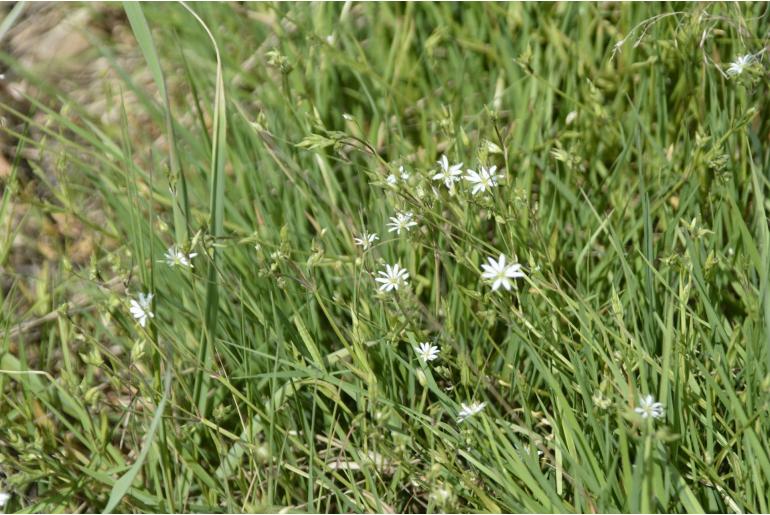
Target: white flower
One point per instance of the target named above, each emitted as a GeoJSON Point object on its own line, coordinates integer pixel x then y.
{"type": "Point", "coordinates": [448, 174]}
{"type": "Point", "coordinates": [527, 449]}
{"type": "Point", "coordinates": [484, 180]}
{"type": "Point", "coordinates": [649, 408]}
{"type": "Point", "coordinates": [427, 352]}
{"type": "Point", "coordinates": [440, 495]}
{"type": "Point", "coordinates": [403, 172]}
{"type": "Point", "coordinates": [401, 221]}
{"type": "Point", "coordinates": [140, 309]}
{"type": "Point", "coordinates": [500, 273]}
{"type": "Point", "coordinates": [737, 66]}
{"type": "Point", "coordinates": [4, 498]}
{"type": "Point", "coordinates": [391, 180]}
{"type": "Point", "coordinates": [366, 239]}
{"type": "Point", "coordinates": [392, 277]}
{"type": "Point", "coordinates": [469, 410]}
{"type": "Point", "coordinates": [175, 257]}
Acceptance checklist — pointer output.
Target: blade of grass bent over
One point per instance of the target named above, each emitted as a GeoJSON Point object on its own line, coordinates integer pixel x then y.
{"type": "Point", "coordinates": [216, 215]}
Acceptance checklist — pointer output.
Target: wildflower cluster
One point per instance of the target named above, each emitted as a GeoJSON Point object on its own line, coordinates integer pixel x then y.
{"type": "Point", "coordinates": [141, 307]}
{"type": "Point", "coordinates": [498, 272]}
{"type": "Point", "coordinates": [482, 181]}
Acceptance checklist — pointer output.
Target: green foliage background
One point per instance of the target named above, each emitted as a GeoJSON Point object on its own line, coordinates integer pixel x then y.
{"type": "Point", "coordinates": [274, 376]}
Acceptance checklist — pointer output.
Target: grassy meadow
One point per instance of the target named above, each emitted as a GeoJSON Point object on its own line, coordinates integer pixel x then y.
{"type": "Point", "coordinates": [191, 318]}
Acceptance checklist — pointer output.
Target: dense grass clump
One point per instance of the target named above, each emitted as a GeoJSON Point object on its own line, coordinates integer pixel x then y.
{"type": "Point", "coordinates": [192, 240]}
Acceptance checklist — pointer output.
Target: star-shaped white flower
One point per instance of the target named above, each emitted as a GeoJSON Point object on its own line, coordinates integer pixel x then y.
{"type": "Point", "coordinates": [392, 277]}
{"type": "Point", "coordinates": [527, 449]}
{"type": "Point", "coordinates": [448, 174]}
{"type": "Point", "coordinates": [484, 180]}
{"type": "Point", "coordinates": [404, 174]}
{"type": "Point", "coordinates": [427, 352]}
{"type": "Point", "coordinates": [366, 239]}
{"type": "Point", "coordinates": [468, 410]}
{"type": "Point", "coordinates": [175, 257]}
{"type": "Point", "coordinates": [140, 309]}
{"type": "Point", "coordinates": [500, 273]}
{"type": "Point", "coordinates": [402, 221]}
{"type": "Point", "coordinates": [740, 63]}
{"type": "Point", "coordinates": [649, 408]}
{"type": "Point", "coordinates": [4, 498]}
{"type": "Point", "coordinates": [391, 179]}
